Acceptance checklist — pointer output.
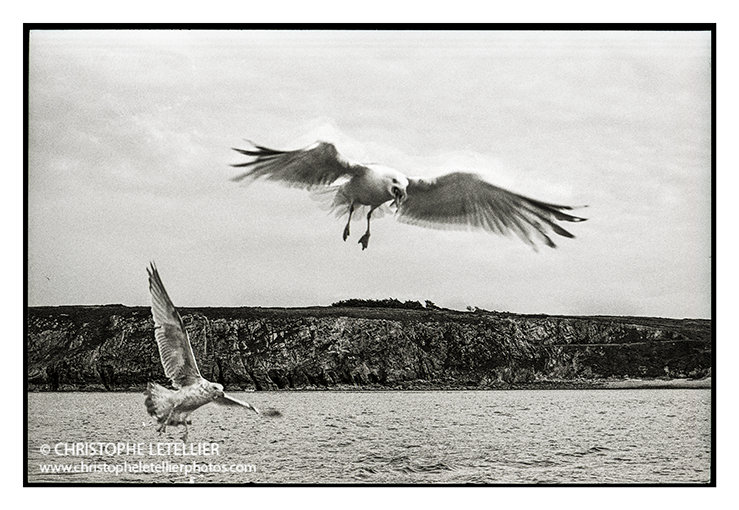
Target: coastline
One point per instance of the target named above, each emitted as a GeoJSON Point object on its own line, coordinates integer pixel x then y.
{"type": "Point", "coordinates": [423, 385]}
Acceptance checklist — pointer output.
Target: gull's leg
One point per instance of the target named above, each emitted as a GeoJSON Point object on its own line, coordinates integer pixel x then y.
{"type": "Point", "coordinates": [184, 438]}
{"type": "Point", "coordinates": [163, 426]}
{"type": "Point", "coordinates": [346, 229]}
{"type": "Point", "coordinates": [365, 238]}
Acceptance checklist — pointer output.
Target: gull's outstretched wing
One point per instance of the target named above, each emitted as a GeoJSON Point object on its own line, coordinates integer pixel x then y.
{"type": "Point", "coordinates": [174, 346]}
{"type": "Point", "coordinates": [319, 165]}
{"type": "Point", "coordinates": [466, 200]}
{"type": "Point", "coordinates": [227, 400]}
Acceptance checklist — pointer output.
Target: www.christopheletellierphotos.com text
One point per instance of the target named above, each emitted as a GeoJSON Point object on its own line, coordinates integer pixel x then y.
{"type": "Point", "coordinates": [194, 458]}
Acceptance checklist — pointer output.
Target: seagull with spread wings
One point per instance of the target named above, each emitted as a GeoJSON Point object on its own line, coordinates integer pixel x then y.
{"type": "Point", "coordinates": [172, 407]}
{"type": "Point", "coordinates": [454, 200]}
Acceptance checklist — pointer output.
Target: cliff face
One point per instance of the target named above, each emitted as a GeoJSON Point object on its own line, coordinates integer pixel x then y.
{"type": "Point", "coordinates": [112, 347]}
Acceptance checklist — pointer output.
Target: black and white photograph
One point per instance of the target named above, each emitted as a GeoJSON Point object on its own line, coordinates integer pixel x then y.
{"type": "Point", "coordinates": [369, 256]}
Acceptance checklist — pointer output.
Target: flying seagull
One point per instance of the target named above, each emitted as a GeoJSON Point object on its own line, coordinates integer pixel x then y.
{"type": "Point", "coordinates": [172, 407]}
{"type": "Point", "coordinates": [454, 200]}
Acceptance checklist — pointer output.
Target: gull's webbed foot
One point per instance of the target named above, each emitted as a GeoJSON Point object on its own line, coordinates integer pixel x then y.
{"type": "Point", "coordinates": [364, 240]}
{"type": "Point", "coordinates": [346, 232]}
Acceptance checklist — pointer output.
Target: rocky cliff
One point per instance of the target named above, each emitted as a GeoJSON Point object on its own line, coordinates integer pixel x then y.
{"type": "Point", "coordinates": [112, 347]}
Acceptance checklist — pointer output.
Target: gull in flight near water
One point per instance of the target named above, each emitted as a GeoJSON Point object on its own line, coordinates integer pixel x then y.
{"type": "Point", "coordinates": [454, 200]}
{"type": "Point", "coordinates": [172, 407]}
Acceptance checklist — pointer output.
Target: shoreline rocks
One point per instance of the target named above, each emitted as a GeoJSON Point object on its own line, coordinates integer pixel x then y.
{"type": "Point", "coordinates": [112, 348]}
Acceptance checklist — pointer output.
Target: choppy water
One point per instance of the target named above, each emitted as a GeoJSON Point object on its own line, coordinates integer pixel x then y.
{"type": "Point", "coordinates": [439, 437]}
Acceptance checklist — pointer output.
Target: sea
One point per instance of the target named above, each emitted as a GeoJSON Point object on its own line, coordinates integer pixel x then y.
{"type": "Point", "coordinates": [626, 436]}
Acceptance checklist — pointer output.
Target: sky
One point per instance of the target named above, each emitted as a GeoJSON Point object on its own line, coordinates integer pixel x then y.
{"type": "Point", "coordinates": [129, 153]}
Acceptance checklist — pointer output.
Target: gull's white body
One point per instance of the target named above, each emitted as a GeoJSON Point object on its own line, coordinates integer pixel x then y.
{"type": "Point", "coordinates": [173, 407]}
{"type": "Point", "coordinates": [455, 200]}
{"type": "Point", "coordinates": [374, 186]}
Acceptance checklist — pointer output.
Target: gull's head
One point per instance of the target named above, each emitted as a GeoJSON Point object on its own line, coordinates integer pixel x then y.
{"type": "Point", "coordinates": [397, 185]}
{"type": "Point", "coordinates": [380, 185]}
{"type": "Point", "coordinates": [217, 389]}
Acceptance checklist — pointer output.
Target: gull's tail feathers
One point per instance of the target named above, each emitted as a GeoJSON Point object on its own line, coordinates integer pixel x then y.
{"type": "Point", "coordinates": [158, 403]}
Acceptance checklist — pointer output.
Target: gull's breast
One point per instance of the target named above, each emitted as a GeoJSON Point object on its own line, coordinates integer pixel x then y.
{"type": "Point", "coordinates": [371, 188]}
{"type": "Point", "coordinates": [193, 397]}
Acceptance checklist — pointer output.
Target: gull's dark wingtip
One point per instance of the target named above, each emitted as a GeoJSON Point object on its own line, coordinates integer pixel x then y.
{"type": "Point", "coordinates": [577, 218]}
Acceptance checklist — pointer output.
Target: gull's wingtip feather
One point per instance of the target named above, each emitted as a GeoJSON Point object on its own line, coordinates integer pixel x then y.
{"type": "Point", "coordinates": [151, 270]}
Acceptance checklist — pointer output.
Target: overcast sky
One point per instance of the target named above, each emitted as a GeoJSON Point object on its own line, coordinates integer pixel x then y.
{"type": "Point", "coordinates": [130, 137]}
